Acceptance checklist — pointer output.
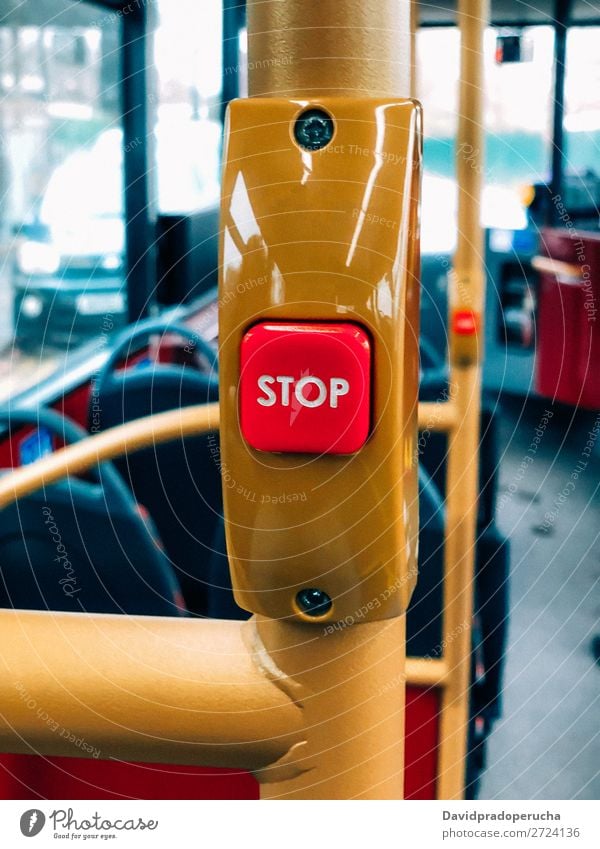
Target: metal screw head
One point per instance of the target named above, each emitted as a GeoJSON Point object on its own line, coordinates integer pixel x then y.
{"type": "Point", "coordinates": [313, 602]}
{"type": "Point", "coordinates": [314, 129]}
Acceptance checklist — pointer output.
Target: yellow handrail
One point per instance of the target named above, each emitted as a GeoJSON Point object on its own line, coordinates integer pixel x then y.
{"type": "Point", "coordinates": [145, 433]}
{"type": "Point", "coordinates": [133, 436]}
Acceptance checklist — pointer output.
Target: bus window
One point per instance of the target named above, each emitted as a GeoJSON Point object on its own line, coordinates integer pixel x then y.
{"type": "Point", "coordinates": [63, 157]}
{"type": "Point", "coordinates": [519, 98]}
{"type": "Point", "coordinates": [582, 121]}
{"type": "Point", "coordinates": [439, 95]}
{"type": "Point", "coordinates": [61, 218]}
{"type": "Point", "coordinates": [518, 129]}
{"type": "Point", "coordinates": [188, 61]}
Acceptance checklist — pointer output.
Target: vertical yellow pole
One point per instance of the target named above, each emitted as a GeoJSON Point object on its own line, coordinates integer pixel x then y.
{"type": "Point", "coordinates": [335, 48]}
{"type": "Point", "coordinates": [467, 286]}
{"type": "Point", "coordinates": [351, 682]}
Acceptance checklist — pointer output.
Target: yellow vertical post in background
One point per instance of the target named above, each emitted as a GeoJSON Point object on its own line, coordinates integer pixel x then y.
{"type": "Point", "coordinates": [466, 300]}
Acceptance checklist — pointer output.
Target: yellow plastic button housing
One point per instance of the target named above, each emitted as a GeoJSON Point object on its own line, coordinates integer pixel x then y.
{"type": "Point", "coordinates": [324, 235]}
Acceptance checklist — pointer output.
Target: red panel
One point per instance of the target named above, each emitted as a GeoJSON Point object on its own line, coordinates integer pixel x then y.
{"type": "Point", "coordinates": [75, 405]}
{"type": "Point", "coordinates": [30, 777]}
{"type": "Point", "coordinates": [568, 348]}
{"type": "Point", "coordinates": [422, 734]}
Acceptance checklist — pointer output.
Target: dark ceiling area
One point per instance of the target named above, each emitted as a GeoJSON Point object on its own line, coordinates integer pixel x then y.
{"type": "Point", "coordinates": [440, 12]}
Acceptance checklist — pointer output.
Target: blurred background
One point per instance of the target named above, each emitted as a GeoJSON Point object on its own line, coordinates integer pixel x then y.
{"type": "Point", "coordinates": [111, 124]}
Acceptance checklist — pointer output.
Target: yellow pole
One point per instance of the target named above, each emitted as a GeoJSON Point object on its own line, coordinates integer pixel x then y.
{"type": "Point", "coordinates": [351, 681]}
{"type": "Point", "coordinates": [351, 684]}
{"type": "Point", "coordinates": [467, 287]}
{"type": "Point", "coordinates": [140, 688]}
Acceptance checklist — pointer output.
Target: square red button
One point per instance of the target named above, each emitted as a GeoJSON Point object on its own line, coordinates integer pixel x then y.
{"type": "Point", "coordinates": [306, 387]}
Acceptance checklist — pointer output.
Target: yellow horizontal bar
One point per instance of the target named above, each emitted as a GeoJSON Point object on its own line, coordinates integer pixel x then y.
{"type": "Point", "coordinates": [421, 672]}
{"type": "Point", "coordinates": [133, 436]}
{"type": "Point", "coordinates": [437, 416]}
{"type": "Point", "coordinates": [142, 688]}
{"type": "Point", "coordinates": [150, 431]}
{"type": "Point", "coordinates": [557, 267]}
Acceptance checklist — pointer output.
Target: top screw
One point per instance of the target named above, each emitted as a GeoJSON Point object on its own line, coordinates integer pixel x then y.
{"type": "Point", "coordinates": [314, 602]}
{"type": "Point", "coordinates": [314, 129]}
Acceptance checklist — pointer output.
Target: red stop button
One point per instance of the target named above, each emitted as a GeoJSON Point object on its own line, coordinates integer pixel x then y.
{"type": "Point", "coordinates": [305, 387]}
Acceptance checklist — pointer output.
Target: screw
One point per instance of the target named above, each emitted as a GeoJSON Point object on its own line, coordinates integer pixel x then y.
{"type": "Point", "coordinates": [314, 129]}
{"type": "Point", "coordinates": [313, 602]}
